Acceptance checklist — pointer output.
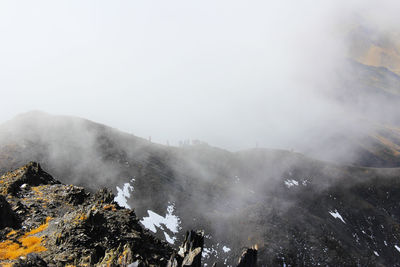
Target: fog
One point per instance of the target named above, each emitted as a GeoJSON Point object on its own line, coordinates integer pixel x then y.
{"type": "Point", "coordinates": [235, 74]}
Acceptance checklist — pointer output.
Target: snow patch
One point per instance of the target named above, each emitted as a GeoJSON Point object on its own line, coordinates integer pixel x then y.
{"type": "Point", "coordinates": [376, 253]}
{"type": "Point", "coordinates": [169, 239]}
{"type": "Point", "coordinates": [290, 183]}
{"type": "Point", "coordinates": [226, 249]}
{"type": "Point", "coordinates": [207, 252]}
{"type": "Point", "coordinates": [335, 214]}
{"type": "Point", "coordinates": [397, 247]}
{"type": "Point", "coordinates": [123, 195]}
{"type": "Point", "coordinates": [170, 221]}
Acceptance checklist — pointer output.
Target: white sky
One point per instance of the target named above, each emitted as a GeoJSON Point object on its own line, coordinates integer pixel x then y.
{"type": "Point", "coordinates": [231, 73]}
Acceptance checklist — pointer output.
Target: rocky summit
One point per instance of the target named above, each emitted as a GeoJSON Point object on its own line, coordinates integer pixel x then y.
{"type": "Point", "coordinates": [47, 223]}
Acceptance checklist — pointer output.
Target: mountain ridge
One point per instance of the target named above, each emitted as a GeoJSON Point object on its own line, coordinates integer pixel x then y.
{"type": "Point", "coordinates": [259, 196]}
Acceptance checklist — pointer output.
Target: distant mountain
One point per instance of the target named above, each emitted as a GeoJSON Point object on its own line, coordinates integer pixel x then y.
{"type": "Point", "coordinates": [373, 47]}
{"type": "Point", "coordinates": [298, 210]}
{"type": "Point", "coordinates": [367, 91]}
{"type": "Point", "coordinates": [367, 132]}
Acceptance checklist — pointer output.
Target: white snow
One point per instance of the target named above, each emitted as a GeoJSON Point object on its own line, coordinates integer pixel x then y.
{"type": "Point", "coordinates": [290, 183]}
{"type": "Point", "coordinates": [123, 194]}
{"type": "Point", "coordinates": [376, 253]}
{"type": "Point", "coordinates": [397, 247]}
{"type": "Point", "coordinates": [335, 214]}
{"type": "Point", "coordinates": [169, 239]}
{"type": "Point", "coordinates": [226, 249]}
{"type": "Point", "coordinates": [170, 221]}
{"type": "Point", "coordinates": [23, 186]}
{"type": "Point", "coordinates": [385, 242]}
{"type": "Point", "coordinates": [207, 252]}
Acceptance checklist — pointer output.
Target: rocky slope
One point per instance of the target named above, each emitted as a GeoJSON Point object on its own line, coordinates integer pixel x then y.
{"type": "Point", "coordinates": [45, 223]}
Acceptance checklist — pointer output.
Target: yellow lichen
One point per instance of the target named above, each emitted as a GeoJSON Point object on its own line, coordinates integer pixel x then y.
{"type": "Point", "coordinates": [40, 228]}
{"type": "Point", "coordinates": [11, 233]}
{"type": "Point", "coordinates": [79, 217]}
{"type": "Point", "coordinates": [110, 207]}
{"type": "Point", "coordinates": [26, 244]}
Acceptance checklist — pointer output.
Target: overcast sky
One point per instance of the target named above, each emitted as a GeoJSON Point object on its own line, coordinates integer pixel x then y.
{"type": "Point", "coordinates": [231, 73]}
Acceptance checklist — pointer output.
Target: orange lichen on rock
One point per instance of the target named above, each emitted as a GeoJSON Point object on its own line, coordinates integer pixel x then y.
{"type": "Point", "coordinates": [40, 228]}
{"type": "Point", "coordinates": [110, 207]}
{"type": "Point", "coordinates": [11, 233]}
{"type": "Point", "coordinates": [26, 244]}
{"type": "Point", "coordinates": [82, 217]}
{"type": "Point", "coordinates": [38, 190]}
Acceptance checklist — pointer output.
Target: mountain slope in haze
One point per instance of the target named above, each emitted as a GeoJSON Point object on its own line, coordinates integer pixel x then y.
{"type": "Point", "coordinates": [371, 95]}
{"type": "Point", "coordinates": [376, 48]}
{"type": "Point", "coordinates": [365, 130]}
{"type": "Point", "coordinates": [299, 211]}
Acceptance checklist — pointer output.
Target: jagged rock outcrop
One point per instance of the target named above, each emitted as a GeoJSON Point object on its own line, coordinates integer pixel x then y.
{"type": "Point", "coordinates": [32, 175]}
{"type": "Point", "coordinates": [46, 223]}
{"type": "Point", "coordinates": [190, 251]}
{"type": "Point", "coordinates": [248, 258]}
